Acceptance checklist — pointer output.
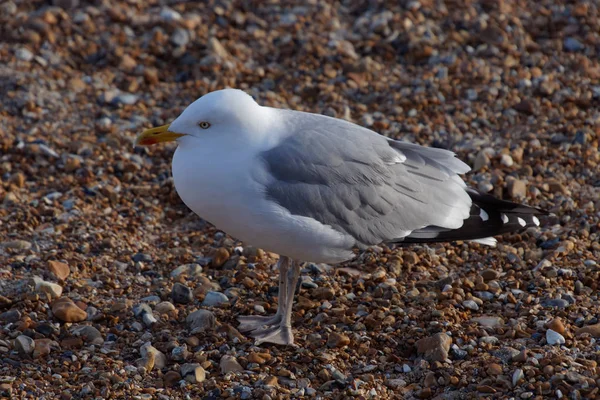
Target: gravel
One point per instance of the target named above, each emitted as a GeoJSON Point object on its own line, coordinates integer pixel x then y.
{"type": "Point", "coordinates": [111, 288]}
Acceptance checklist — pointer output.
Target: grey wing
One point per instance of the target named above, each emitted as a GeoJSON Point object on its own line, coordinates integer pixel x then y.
{"type": "Point", "coordinates": [364, 184]}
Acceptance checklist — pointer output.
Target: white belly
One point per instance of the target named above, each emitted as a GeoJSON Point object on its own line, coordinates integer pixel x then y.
{"type": "Point", "coordinates": [230, 195]}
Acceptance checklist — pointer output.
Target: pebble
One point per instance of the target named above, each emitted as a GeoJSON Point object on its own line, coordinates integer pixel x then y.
{"type": "Point", "coordinates": [593, 330]}
{"type": "Point", "coordinates": [159, 358]}
{"type": "Point", "coordinates": [517, 189]}
{"type": "Point", "coordinates": [16, 245]}
{"type": "Point", "coordinates": [43, 347]}
{"type": "Point", "coordinates": [181, 294]}
{"type": "Point", "coordinates": [220, 257]}
{"type": "Point", "coordinates": [517, 376]}
{"type": "Point", "coordinates": [169, 15]}
{"type": "Point", "coordinates": [573, 44]}
{"type": "Point", "coordinates": [89, 334]}
{"type": "Point", "coordinates": [556, 325]}
{"type": "Point", "coordinates": [52, 290]}
{"type": "Point", "coordinates": [191, 270]}
{"type": "Point", "coordinates": [201, 320]}
{"type": "Point", "coordinates": [214, 299]}
{"type": "Point", "coordinates": [59, 269]}
{"type": "Point", "coordinates": [141, 309]}
{"type": "Point", "coordinates": [180, 37]}
{"type": "Point", "coordinates": [171, 378]}
{"type": "Point", "coordinates": [229, 364]}
{"type": "Point", "coordinates": [164, 307]}
{"type": "Point", "coordinates": [337, 340]}
{"type": "Point", "coordinates": [434, 348]}
{"type": "Point", "coordinates": [193, 373]}
{"type": "Point", "coordinates": [24, 54]}
{"type": "Point", "coordinates": [24, 345]}
{"type": "Point", "coordinates": [67, 311]}
{"type": "Point", "coordinates": [395, 383]}
{"type": "Point", "coordinates": [553, 337]}
{"type": "Point", "coordinates": [471, 305]}
{"type": "Point", "coordinates": [489, 322]}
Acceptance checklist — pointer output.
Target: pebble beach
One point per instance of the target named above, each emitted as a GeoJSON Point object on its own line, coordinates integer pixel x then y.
{"type": "Point", "coordinates": [111, 288]}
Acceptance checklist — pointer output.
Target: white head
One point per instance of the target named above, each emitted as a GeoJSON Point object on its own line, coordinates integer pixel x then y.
{"type": "Point", "coordinates": [222, 116]}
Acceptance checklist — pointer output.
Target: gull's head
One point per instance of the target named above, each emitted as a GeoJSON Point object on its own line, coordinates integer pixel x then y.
{"type": "Point", "coordinates": [215, 116]}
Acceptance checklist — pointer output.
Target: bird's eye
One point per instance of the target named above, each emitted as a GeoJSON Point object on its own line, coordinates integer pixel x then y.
{"type": "Point", "coordinates": [204, 125]}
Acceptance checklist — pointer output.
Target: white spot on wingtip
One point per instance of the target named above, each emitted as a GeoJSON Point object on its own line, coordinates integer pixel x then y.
{"type": "Point", "coordinates": [504, 218]}
{"type": "Point", "coordinates": [483, 215]}
{"type": "Point", "coordinates": [535, 220]}
{"type": "Point", "coordinates": [521, 221]}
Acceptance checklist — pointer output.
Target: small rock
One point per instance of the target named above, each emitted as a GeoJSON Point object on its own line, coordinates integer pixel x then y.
{"type": "Point", "coordinates": [517, 376]}
{"type": "Point", "coordinates": [482, 160]}
{"type": "Point", "coordinates": [573, 44]}
{"type": "Point", "coordinates": [323, 293]}
{"type": "Point", "coordinates": [517, 189]}
{"type": "Point", "coordinates": [217, 48]}
{"type": "Point", "coordinates": [553, 337]}
{"type": "Point", "coordinates": [171, 378]}
{"type": "Point", "coordinates": [229, 364]}
{"type": "Point", "coordinates": [53, 290]}
{"type": "Point", "coordinates": [169, 15]}
{"type": "Point", "coordinates": [490, 275]}
{"type": "Point", "coordinates": [160, 360]}
{"type": "Point", "coordinates": [59, 269]}
{"type": "Point", "coordinates": [256, 358]}
{"type": "Point", "coordinates": [181, 37]}
{"type": "Point", "coordinates": [559, 303]}
{"type": "Point", "coordinates": [593, 330]}
{"type": "Point", "coordinates": [337, 340]}
{"type": "Point", "coordinates": [525, 106]}
{"type": "Point", "coordinates": [494, 369]}
{"type": "Point", "coordinates": [470, 304]}
{"type": "Point", "coordinates": [89, 334]}
{"type": "Point", "coordinates": [214, 299]}
{"type": "Point", "coordinates": [396, 383]}
{"type": "Point", "coordinates": [506, 160]}
{"type": "Point", "coordinates": [164, 307]}
{"type": "Point", "coordinates": [180, 353]}
{"type": "Point", "coordinates": [24, 54]}
{"type": "Point", "coordinates": [10, 316]}
{"type": "Point", "coordinates": [201, 320]}
{"type": "Point", "coordinates": [220, 257]}
{"type": "Point", "coordinates": [181, 294]}
{"type": "Point", "coordinates": [193, 373]}
{"type": "Point", "coordinates": [66, 4]}
{"type": "Point", "coordinates": [141, 309]}
{"type": "Point", "coordinates": [557, 325]}
{"type": "Point", "coordinates": [67, 311]}
{"type": "Point", "coordinates": [16, 245]}
{"type": "Point", "coordinates": [43, 347]}
{"type": "Point", "coordinates": [24, 345]}
{"type": "Point", "coordinates": [489, 322]}
{"type": "Point", "coordinates": [435, 348]}
{"type": "Point", "coordinates": [191, 270]}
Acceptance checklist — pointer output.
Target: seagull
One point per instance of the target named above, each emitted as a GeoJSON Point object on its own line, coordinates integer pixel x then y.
{"type": "Point", "coordinates": [312, 188]}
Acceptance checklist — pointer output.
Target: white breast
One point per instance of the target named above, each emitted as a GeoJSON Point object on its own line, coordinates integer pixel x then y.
{"type": "Point", "coordinates": [229, 193]}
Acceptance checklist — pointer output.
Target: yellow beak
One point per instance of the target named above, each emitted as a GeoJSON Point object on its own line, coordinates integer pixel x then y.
{"type": "Point", "coordinates": [159, 134]}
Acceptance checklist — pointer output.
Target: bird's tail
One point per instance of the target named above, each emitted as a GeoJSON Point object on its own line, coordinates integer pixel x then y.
{"type": "Point", "coordinates": [489, 217]}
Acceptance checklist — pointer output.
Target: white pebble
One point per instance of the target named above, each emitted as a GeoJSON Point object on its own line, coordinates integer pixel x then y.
{"type": "Point", "coordinates": [553, 337]}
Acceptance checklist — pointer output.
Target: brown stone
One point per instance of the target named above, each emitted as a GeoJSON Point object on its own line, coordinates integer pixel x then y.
{"type": "Point", "coordinates": [59, 269]}
{"type": "Point", "coordinates": [171, 378]}
{"type": "Point", "coordinates": [556, 325]}
{"type": "Point", "coordinates": [494, 369]}
{"type": "Point", "coordinates": [220, 257]}
{"type": "Point", "coordinates": [435, 348]}
{"type": "Point", "coordinates": [593, 330]}
{"type": "Point", "coordinates": [337, 340]}
{"type": "Point", "coordinates": [67, 311]}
